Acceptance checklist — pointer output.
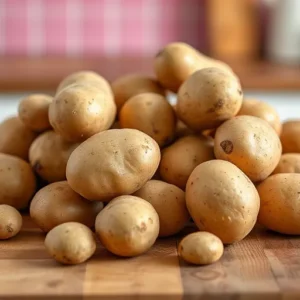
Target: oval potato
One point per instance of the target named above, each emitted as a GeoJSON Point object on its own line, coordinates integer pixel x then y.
{"type": "Point", "coordinates": [10, 222]}
{"type": "Point", "coordinates": [290, 137]}
{"type": "Point", "coordinates": [289, 163]}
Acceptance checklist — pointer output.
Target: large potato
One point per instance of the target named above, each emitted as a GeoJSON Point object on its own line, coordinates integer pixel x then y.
{"type": "Point", "coordinates": [290, 137]}
{"type": "Point", "coordinates": [49, 154]}
{"type": "Point", "coordinates": [222, 200]}
{"type": "Point", "coordinates": [251, 144]}
{"type": "Point", "coordinates": [10, 222]}
{"type": "Point", "coordinates": [279, 198]}
{"type": "Point", "coordinates": [112, 163]}
{"type": "Point", "coordinates": [208, 98]}
{"type": "Point", "coordinates": [289, 163]}
{"type": "Point", "coordinates": [127, 226]}
{"type": "Point", "coordinates": [17, 181]}
{"type": "Point", "coordinates": [151, 114]}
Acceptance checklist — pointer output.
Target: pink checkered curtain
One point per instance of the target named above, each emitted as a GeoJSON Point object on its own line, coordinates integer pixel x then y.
{"type": "Point", "coordinates": [98, 27]}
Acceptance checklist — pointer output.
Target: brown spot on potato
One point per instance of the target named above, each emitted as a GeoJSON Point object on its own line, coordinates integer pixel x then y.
{"type": "Point", "coordinates": [240, 92]}
{"type": "Point", "coordinates": [37, 167]}
{"type": "Point", "coordinates": [9, 228]}
{"type": "Point", "coordinates": [143, 227]}
{"type": "Point", "coordinates": [227, 146]}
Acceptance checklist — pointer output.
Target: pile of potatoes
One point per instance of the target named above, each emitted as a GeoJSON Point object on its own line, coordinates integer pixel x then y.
{"type": "Point", "coordinates": [118, 159]}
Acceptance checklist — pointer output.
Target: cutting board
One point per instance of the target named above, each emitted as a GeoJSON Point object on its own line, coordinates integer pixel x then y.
{"type": "Point", "coordinates": [264, 266]}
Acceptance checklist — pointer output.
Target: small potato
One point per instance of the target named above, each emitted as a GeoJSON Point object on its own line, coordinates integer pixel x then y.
{"type": "Point", "coordinates": [127, 226]}
{"type": "Point", "coordinates": [33, 111]}
{"type": "Point", "coordinates": [15, 137]}
{"type": "Point", "coordinates": [57, 203]}
{"type": "Point", "coordinates": [208, 98]}
{"type": "Point", "coordinates": [17, 181]}
{"type": "Point", "coordinates": [222, 200]}
{"type": "Point", "coordinates": [10, 221]}
{"type": "Point", "coordinates": [49, 154]}
{"type": "Point", "coordinates": [279, 198]}
{"type": "Point", "coordinates": [169, 202]}
{"type": "Point", "coordinates": [180, 159]}
{"type": "Point", "coordinates": [290, 137]}
{"type": "Point", "coordinates": [289, 163]}
{"type": "Point", "coordinates": [201, 248]}
{"type": "Point", "coordinates": [151, 114]}
{"type": "Point", "coordinates": [70, 243]}
{"type": "Point", "coordinates": [251, 144]}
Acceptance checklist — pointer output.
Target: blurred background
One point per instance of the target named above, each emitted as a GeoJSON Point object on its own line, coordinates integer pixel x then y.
{"type": "Point", "coordinates": [42, 41]}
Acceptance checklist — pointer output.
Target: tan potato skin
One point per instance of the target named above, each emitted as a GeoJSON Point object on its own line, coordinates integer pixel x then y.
{"type": "Point", "coordinates": [201, 248]}
{"type": "Point", "coordinates": [70, 243]}
{"type": "Point", "coordinates": [251, 144]}
{"type": "Point", "coordinates": [33, 111]}
{"type": "Point", "coordinates": [15, 137]}
{"type": "Point", "coordinates": [207, 98]}
{"type": "Point", "coordinates": [151, 114]}
{"type": "Point", "coordinates": [290, 137]}
{"type": "Point", "coordinates": [279, 208]}
{"type": "Point", "coordinates": [10, 222]}
{"type": "Point", "coordinates": [127, 226]}
{"type": "Point", "coordinates": [222, 200]}
{"type": "Point", "coordinates": [17, 181]}
{"type": "Point", "coordinates": [112, 163]}
{"type": "Point", "coordinates": [180, 159]}
{"type": "Point", "coordinates": [169, 202]}
{"type": "Point", "coordinates": [289, 163]}
{"type": "Point", "coordinates": [49, 154]}
{"type": "Point", "coordinates": [80, 111]}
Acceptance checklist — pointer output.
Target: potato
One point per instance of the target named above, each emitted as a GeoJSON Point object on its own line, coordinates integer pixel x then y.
{"type": "Point", "coordinates": [10, 221]}
{"type": "Point", "coordinates": [263, 110]}
{"type": "Point", "coordinates": [70, 243]}
{"type": "Point", "coordinates": [222, 200]}
{"type": "Point", "coordinates": [180, 159]}
{"type": "Point", "coordinates": [17, 181]}
{"type": "Point", "coordinates": [289, 163]}
{"type": "Point", "coordinates": [208, 98]}
{"type": "Point", "coordinates": [169, 202]}
{"type": "Point", "coordinates": [49, 154]}
{"type": "Point", "coordinates": [15, 138]}
{"type": "Point", "coordinates": [151, 114]}
{"type": "Point", "coordinates": [251, 144]}
{"type": "Point", "coordinates": [80, 111]}
{"type": "Point", "coordinates": [279, 198]}
{"type": "Point", "coordinates": [290, 136]}
{"type": "Point", "coordinates": [127, 226]}
{"type": "Point", "coordinates": [33, 111]}
{"type": "Point", "coordinates": [178, 61]}
{"type": "Point", "coordinates": [112, 163]}
{"type": "Point", "coordinates": [201, 248]}
{"type": "Point", "coordinates": [131, 85]}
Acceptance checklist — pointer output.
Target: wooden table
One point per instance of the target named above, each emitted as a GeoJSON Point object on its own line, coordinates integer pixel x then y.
{"type": "Point", "coordinates": [263, 266]}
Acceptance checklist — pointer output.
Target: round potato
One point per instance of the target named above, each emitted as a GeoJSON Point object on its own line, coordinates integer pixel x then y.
{"type": "Point", "coordinates": [208, 98]}
{"type": "Point", "coordinates": [80, 111]}
{"type": "Point", "coordinates": [251, 144]}
{"type": "Point", "coordinates": [151, 114]}
{"type": "Point", "coordinates": [169, 202]}
{"type": "Point", "coordinates": [15, 138]}
{"type": "Point", "coordinates": [127, 226]}
{"type": "Point", "coordinates": [290, 137]}
{"type": "Point", "coordinates": [49, 154]}
{"type": "Point", "coordinates": [222, 200]}
{"type": "Point", "coordinates": [112, 163]}
{"type": "Point", "coordinates": [263, 110]}
{"type": "Point", "coordinates": [289, 163]}
{"type": "Point", "coordinates": [70, 243]}
{"type": "Point", "coordinates": [201, 248]}
{"type": "Point", "coordinates": [17, 181]}
{"type": "Point", "coordinates": [10, 221]}
{"type": "Point", "coordinates": [180, 159]}
{"type": "Point", "coordinates": [33, 111]}
{"type": "Point", "coordinates": [279, 198]}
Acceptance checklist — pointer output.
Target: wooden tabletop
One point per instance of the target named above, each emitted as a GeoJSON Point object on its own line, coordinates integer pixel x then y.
{"type": "Point", "coordinates": [263, 266]}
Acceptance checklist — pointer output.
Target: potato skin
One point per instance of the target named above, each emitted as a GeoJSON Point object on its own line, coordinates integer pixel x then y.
{"type": "Point", "coordinates": [112, 163]}
{"type": "Point", "coordinates": [169, 202]}
{"type": "Point", "coordinates": [289, 163]}
{"type": "Point", "coordinates": [290, 137]}
{"type": "Point", "coordinates": [279, 198]}
{"type": "Point", "coordinates": [17, 181]}
{"type": "Point", "coordinates": [201, 248]}
{"type": "Point", "coordinates": [222, 200]}
{"type": "Point", "coordinates": [127, 226]}
{"type": "Point", "coordinates": [251, 144]}
{"type": "Point", "coordinates": [10, 222]}
{"type": "Point", "coordinates": [207, 98]}
{"type": "Point", "coordinates": [152, 114]}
